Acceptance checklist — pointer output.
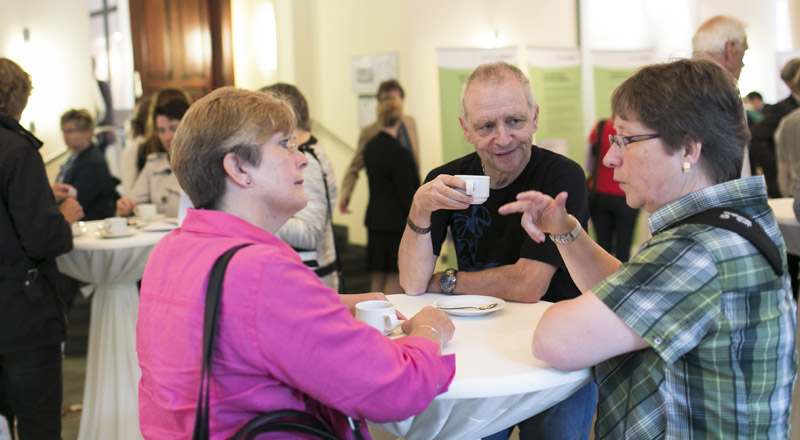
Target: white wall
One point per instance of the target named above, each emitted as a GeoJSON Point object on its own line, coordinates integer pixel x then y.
{"type": "Point", "coordinates": [327, 33]}
{"type": "Point", "coordinates": [330, 32]}
{"type": "Point", "coordinates": [57, 58]}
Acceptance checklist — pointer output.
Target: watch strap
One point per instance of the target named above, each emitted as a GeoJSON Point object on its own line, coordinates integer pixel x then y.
{"type": "Point", "coordinates": [570, 236]}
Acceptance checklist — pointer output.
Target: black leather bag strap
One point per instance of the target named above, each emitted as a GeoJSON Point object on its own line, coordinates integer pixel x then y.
{"type": "Point", "coordinates": [742, 224]}
{"type": "Point", "coordinates": [213, 296]}
{"type": "Point", "coordinates": [306, 148]}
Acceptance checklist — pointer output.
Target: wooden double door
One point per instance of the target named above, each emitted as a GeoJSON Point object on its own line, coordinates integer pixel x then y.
{"type": "Point", "coordinates": [182, 43]}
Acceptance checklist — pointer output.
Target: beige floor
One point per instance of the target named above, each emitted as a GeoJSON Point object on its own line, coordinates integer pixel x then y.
{"type": "Point", "coordinates": [74, 373]}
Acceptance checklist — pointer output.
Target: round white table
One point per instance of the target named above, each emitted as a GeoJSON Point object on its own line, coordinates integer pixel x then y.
{"type": "Point", "coordinates": [113, 265]}
{"type": "Point", "coordinates": [498, 382]}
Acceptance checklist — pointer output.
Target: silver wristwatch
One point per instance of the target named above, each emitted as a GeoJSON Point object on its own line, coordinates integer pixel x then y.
{"type": "Point", "coordinates": [569, 236]}
{"type": "Point", "coordinates": [448, 281]}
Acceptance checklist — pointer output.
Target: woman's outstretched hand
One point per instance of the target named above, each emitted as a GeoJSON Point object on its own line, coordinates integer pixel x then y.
{"type": "Point", "coordinates": [541, 214]}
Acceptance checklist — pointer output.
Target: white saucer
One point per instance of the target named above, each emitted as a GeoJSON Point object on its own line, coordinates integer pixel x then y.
{"type": "Point", "coordinates": [468, 300]}
{"type": "Point", "coordinates": [397, 332]}
{"type": "Point", "coordinates": [79, 228]}
{"type": "Point", "coordinates": [151, 219]}
{"type": "Point", "coordinates": [127, 233]}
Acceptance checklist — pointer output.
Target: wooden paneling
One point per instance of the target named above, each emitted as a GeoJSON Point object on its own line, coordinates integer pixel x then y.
{"type": "Point", "coordinates": [182, 43]}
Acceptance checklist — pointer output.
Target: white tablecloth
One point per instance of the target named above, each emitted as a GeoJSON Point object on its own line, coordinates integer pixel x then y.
{"type": "Point", "coordinates": [498, 382]}
{"type": "Point", "coordinates": [113, 265]}
{"type": "Point", "coordinates": [787, 222]}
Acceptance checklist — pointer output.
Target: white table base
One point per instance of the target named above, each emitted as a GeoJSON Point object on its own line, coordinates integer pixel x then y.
{"type": "Point", "coordinates": [112, 410]}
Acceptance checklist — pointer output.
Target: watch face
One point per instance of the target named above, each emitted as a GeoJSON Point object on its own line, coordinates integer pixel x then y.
{"type": "Point", "coordinates": [448, 281]}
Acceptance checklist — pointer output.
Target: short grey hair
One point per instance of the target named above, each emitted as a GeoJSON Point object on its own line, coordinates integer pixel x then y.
{"type": "Point", "coordinates": [715, 32]}
{"type": "Point", "coordinates": [497, 72]}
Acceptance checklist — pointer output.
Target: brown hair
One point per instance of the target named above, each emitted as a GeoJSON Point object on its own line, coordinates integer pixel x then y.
{"type": "Point", "coordinates": [389, 85]}
{"type": "Point", "coordinates": [296, 99]}
{"type": "Point", "coordinates": [227, 120]}
{"type": "Point", "coordinates": [15, 88]}
{"type": "Point", "coordinates": [689, 100]}
{"type": "Point", "coordinates": [139, 120]}
{"type": "Point", "coordinates": [160, 97]}
{"type": "Point", "coordinates": [82, 119]}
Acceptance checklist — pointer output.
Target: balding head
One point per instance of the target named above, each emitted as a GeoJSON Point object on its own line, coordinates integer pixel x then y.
{"type": "Point", "coordinates": [722, 39]}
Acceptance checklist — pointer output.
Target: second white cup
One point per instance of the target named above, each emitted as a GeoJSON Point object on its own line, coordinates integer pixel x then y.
{"type": "Point", "coordinates": [115, 225]}
{"type": "Point", "coordinates": [145, 210]}
{"type": "Point", "coordinates": [477, 187]}
{"type": "Point", "coordinates": [378, 314]}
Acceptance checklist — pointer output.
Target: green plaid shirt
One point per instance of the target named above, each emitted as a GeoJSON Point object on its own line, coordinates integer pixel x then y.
{"type": "Point", "coordinates": [720, 324]}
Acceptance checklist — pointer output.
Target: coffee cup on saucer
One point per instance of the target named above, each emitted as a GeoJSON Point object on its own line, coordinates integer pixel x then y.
{"type": "Point", "coordinates": [115, 225]}
{"type": "Point", "coordinates": [378, 314]}
{"type": "Point", "coordinates": [145, 210]}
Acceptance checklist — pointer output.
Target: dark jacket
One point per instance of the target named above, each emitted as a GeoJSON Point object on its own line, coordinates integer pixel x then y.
{"type": "Point", "coordinates": [393, 180]}
{"type": "Point", "coordinates": [762, 143]}
{"type": "Point", "coordinates": [32, 233]}
{"type": "Point", "coordinates": [96, 186]}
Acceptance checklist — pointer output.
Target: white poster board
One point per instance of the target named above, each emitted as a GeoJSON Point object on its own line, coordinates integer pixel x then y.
{"type": "Point", "coordinates": [368, 71]}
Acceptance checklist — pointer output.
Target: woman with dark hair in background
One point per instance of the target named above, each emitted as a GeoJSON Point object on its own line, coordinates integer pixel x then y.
{"type": "Point", "coordinates": [156, 183]}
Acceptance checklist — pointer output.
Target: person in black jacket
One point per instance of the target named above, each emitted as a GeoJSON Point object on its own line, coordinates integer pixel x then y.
{"type": "Point", "coordinates": [33, 231]}
{"type": "Point", "coordinates": [393, 180]}
{"type": "Point", "coordinates": [762, 140]}
{"type": "Point", "coordinates": [86, 169]}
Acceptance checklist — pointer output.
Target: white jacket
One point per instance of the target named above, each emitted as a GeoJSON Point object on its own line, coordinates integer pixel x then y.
{"type": "Point", "coordinates": [311, 228]}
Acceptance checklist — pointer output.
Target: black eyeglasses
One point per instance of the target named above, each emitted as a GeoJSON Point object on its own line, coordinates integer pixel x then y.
{"type": "Point", "coordinates": [623, 141]}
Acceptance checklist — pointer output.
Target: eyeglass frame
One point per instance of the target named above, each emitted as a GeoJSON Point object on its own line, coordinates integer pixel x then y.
{"type": "Point", "coordinates": [289, 143]}
{"type": "Point", "coordinates": [626, 140]}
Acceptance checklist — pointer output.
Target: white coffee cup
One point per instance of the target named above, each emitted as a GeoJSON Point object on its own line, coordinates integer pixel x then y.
{"type": "Point", "coordinates": [145, 210]}
{"type": "Point", "coordinates": [477, 187]}
{"type": "Point", "coordinates": [378, 314]}
{"type": "Point", "coordinates": [115, 225]}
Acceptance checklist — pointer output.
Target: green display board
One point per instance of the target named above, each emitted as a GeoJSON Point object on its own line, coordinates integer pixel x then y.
{"type": "Point", "coordinates": [558, 93]}
{"type": "Point", "coordinates": [453, 143]}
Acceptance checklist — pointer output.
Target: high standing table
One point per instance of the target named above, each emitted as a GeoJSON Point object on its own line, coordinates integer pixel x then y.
{"type": "Point", "coordinates": [113, 265]}
{"type": "Point", "coordinates": [498, 382]}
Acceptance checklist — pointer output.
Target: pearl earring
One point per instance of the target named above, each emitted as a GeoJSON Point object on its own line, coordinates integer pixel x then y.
{"type": "Point", "coordinates": [687, 167]}
{"type": "Point", "coordinates": [247, 181]}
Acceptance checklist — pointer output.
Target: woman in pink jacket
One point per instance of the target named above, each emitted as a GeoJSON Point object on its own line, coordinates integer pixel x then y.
{"type": "Point", "coordinates": [284, 340]}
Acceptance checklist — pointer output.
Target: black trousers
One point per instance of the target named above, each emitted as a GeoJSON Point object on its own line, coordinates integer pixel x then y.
{"type": "Point", "coordinates": [31, 392]}
{"type": "Point", "coordinates": [614, 222]}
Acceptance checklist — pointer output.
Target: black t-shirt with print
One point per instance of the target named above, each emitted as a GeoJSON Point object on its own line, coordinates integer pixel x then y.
{"type": "Point", "coordinates": [484, 239]}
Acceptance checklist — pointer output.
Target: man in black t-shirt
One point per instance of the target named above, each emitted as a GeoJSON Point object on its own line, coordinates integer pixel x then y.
{"type": "Point", "coordinates": [495, 255]}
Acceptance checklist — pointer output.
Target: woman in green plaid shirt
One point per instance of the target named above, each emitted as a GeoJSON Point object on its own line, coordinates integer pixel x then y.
{"type": "Point", "coordinates": [694, 336]}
